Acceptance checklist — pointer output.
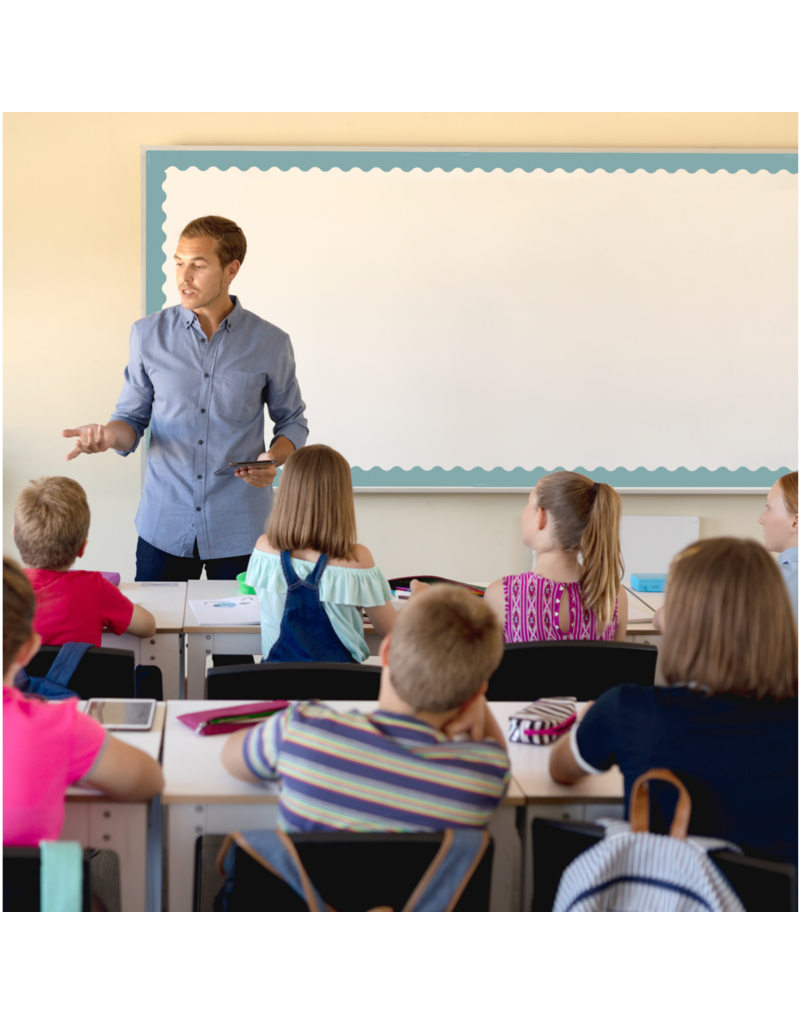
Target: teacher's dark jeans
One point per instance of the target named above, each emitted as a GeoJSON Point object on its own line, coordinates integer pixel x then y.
{"type": "Point", "coordinates": [156, 566]}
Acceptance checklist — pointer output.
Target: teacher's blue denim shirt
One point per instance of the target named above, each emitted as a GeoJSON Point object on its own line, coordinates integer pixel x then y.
{"type": "Point", "coordinates": [787, 563]}
{"type": "Point", "coordinates": [204, 402]}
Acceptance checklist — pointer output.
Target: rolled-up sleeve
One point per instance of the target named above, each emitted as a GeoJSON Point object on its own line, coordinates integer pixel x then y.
{"type": "Point", "coordinates": [135, 403]}
{"type": "Point", "coordinates": [284, 401]}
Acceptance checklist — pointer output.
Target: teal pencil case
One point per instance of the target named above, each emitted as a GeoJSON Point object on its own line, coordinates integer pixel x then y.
{"type": "Point", "coordinates": [648, 582]}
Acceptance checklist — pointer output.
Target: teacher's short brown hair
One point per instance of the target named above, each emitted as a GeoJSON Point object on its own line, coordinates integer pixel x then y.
{"type": "Point", "coordinates": [729, 624]}
{"type": "Point", "coordinates": [229, 238]}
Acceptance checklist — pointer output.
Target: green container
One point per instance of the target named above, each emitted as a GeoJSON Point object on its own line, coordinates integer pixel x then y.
{"type": "Point", "coordinates": [240, 579]}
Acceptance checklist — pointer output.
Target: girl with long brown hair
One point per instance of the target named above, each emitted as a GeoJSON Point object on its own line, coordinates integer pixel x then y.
{"type": "Point", "coordinates": [575, 593]}
{"type": "Point", "coordinates": [726, 722]}
{"type": "Point", "coordinates": [311, 577]}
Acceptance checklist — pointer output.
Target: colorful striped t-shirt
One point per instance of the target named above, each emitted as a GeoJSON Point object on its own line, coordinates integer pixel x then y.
{"type": "Point", "coordinates": [381, 772]}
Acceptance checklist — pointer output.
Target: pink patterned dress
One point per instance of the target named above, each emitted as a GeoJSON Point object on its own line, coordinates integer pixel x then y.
{"type": "Point", "coordinates": [532, 605]}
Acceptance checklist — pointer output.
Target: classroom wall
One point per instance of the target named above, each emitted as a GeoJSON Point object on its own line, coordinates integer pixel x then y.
{"type": "Point", "coordinates": [72, 287]}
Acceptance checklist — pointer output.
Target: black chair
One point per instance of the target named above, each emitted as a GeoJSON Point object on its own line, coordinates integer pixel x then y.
{"type": "Point", "coordinates": [353, 871]}
{"type": "Point", "coordinates": [761, 885]}
{"type": "Point", "coordinates": [21, 887]}
{"type": "Point", "coordinates": [103, 672]}
{"type": "Point", "coordinates": [570, 668]}
{"type": "Point", "coordinates": [303, 680]}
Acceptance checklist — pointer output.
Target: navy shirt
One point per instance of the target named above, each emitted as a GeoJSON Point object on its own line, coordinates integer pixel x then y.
{"type": "Point", "coordinates": [737, 757]}
{"type": "Point", "coordinates": [204, 402]}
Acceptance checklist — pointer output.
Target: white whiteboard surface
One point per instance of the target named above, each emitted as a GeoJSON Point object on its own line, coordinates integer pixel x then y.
{"type": "Point", "coordinates": [649, 543]}
{"type": "Point", "coordinates": [524, 319]}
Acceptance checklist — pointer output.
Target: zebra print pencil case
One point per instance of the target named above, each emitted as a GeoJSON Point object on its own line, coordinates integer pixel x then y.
{"type": "Point", "coordinates": [543, 721]}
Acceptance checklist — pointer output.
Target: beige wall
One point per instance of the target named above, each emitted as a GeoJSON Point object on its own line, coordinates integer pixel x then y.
{"type": "Point", "coordinates": [72, 268]}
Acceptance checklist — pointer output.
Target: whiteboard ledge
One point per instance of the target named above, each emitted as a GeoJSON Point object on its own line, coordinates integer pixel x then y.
{"type": "Point", "coordinates": [527, 490]}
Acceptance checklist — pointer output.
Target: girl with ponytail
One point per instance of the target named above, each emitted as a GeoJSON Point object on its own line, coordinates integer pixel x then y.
{"type": "Point", "coordinates": [575, 593]}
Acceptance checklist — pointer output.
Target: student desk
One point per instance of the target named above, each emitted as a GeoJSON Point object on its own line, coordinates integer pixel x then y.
{"type": "Point", "coordinates": [200, 796]}
{"type": "Point", "coordinates": [165, 649]}
{"type": "Point", "coordinates": [204, 640]}
{"type": "Point", "coordinates": [131, 830]}
{"type": "Point", "coordinates": [596, 796]}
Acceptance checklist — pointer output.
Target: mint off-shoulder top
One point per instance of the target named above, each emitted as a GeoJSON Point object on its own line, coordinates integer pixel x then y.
{"type": "Point", "coordinates": [343, 592]}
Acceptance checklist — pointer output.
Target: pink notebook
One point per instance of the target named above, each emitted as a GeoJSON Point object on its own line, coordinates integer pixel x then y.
{"type": "Point", "coordinates": [242, 716]}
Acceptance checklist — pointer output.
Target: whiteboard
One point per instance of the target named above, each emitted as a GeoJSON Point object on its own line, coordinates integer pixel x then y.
{"type": "Point", "coordinates": [649, 543]}
{"type": "Point", "coordinates": [484, 326]}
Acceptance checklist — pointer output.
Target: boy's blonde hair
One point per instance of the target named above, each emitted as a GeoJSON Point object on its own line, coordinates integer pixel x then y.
{"type": "Point", "coordinates": [314, 506]}
{"type": "Point", "coordinates": [445, 643]}
{"type": "Point", "coordinates": [18, 608]}
{"type": "Point", "coordinates": [729, 624]}
{"type": "Point", "coordinates": [586, 521]}
{"type": "Point", "coordinates": [51, 521]}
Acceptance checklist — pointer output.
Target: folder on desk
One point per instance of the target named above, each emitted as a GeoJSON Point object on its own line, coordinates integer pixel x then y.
{"type": "Point", "coordinates": [404, 583]}
{"type": "Point", "coordinates": [213, 721]}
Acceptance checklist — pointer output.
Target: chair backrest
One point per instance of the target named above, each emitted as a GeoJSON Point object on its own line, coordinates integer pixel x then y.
{"type": "Point", "coordinates": [102, 672]}
{"type": "Point", "coordinates": [355, 871]}
{"type": "Point", "coordinates": [761, 885]}
{"type": "Point", "coordinates": [289, 680]}
{"type": "Point", "coordinates": [21, 879]}
{"type": "Point", "coordinates": [570, 668]}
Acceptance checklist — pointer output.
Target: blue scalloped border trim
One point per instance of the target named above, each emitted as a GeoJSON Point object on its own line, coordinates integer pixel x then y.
{"type": "Point", "coordinates": [519, 477]}
{"type": "Point", "coordinates": [158, 160]}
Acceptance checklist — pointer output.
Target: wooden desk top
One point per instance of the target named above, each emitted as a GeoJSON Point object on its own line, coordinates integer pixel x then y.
{"type": "Point", "coordinates": [193, 770]}
{"type": "Point", "coordinates": [150, 742]}
{"type": "Point", "coordinates": [206, 590]}
{"type": "Point", "coordinates": [167, 604]}
{"type": "Point", "coordinates": [529, 767]}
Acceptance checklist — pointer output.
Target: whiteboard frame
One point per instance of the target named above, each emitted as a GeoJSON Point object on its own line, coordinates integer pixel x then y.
{"type": "Point", "coordinates": [156, 159]}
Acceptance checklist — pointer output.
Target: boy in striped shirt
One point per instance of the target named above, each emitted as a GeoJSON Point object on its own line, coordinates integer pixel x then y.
{"type": "Point", "coordinates": [431, 757]}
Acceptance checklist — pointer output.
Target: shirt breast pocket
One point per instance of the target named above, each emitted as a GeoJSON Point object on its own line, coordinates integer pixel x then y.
{"type": "Point", "coordinates": [241, 395]}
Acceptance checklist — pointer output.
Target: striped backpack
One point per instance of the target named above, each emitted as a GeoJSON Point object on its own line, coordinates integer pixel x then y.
{"type": "Point", "coordinates": [636, 870]}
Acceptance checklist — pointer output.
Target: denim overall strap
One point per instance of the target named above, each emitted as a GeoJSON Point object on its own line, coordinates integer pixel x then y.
{"type": "Point", "coordinates": [292, 579]}
{"type": "Point", "coordinates": [441, 886]}
{"type": "Point", "coordinates": [306, 631]}
{"type": "Point", "coordinates": [274, 851]}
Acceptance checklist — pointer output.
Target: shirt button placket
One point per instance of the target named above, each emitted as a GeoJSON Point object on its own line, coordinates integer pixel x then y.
{"type": "Point", "coordinates": [202, 434]}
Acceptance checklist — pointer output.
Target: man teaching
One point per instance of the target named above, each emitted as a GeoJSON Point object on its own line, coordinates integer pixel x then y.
{"type": "Point", "coordinates": [199, 374]}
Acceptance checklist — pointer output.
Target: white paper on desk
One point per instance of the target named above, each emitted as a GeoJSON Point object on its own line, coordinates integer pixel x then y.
{"type": "Point", "coordinates": [228, 611]}
{"type": "Point", "coordinates": [638, 614]}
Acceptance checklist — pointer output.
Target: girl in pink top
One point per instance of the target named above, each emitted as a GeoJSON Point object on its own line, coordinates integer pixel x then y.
{"type": "Point", "coordinates": [49, 746]}
{"type": "Point", "coordinates": [575, 593]}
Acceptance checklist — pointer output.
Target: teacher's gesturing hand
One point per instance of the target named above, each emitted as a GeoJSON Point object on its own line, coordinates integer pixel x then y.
{"type": "Point", "coordinates": [95, 437]}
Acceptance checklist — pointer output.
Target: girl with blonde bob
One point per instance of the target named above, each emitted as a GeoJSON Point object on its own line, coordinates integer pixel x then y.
{"type": "Point", "coordinates": [726, 722]}
{"type": "Point", "coordinates": [572, 523]}
{"type": "Point", "coordinates": [311, 577]}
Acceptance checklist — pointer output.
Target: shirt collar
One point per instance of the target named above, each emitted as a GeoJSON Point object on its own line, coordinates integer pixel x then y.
{"type": "Point", "coordinates": [788, 556]}
{"type": "Point", "coordinates": [427, 733]}
{"type": "Point", "coordinates": [230, 321]}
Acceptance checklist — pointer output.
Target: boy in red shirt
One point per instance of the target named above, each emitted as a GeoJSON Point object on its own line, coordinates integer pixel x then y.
{"type": "Point", "coordinates": [51, 528]}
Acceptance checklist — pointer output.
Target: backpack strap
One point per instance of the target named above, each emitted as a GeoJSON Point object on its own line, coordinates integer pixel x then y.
{"type": "Point", "coordinates": [446, 878]}
{"type": "Point", "coordinates": [65, 663]}
{"type": "Point", "coordinates": [639, 811]}
{"type": "Point", "coordinates": [276, 852]}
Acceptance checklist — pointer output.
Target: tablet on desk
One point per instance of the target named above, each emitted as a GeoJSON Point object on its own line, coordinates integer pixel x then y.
{"type": "Point", "coordinates": [123, 714]}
